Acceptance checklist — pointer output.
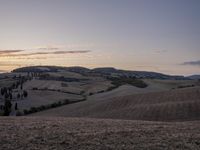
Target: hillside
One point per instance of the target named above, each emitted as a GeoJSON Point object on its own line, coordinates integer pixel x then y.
{"type": "Point", "coordinates": [194, 77]}
{"type": "Point", "coordinates": [87, 134]}
{"type": "Point", "coordinates": [173, 105]}
{"type": "Point", "coordinates": [107, 71]}
{"type": "Point", "coordinates": [51, 85]}
{"type": "Point", "coordinates": [154, 85]}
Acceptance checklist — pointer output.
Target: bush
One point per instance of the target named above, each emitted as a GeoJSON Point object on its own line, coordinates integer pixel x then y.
{"type": "Point", "coordinates": [26, 112]}
{"type": "Point", "coordinates": [35, 88]}
{"type": "Point", "coordinates": [66, 101]}
{"type": "Point", "coordinates": [53, 105]}
{"type": "Point", "coordinates": [185, 86]}
{"type": "Point", "coordinates": [25, 93]}
{"type": "Point", "coordinates": [91, 94]}
{"type": "Point", "coordinates": [125, 80]}
{"type": "Point", "coordinates": [19, 113]}
{"type": "Point", "coordinates": [7, 107]}
{"type": "Point", "coordinates": [101, 91]}
{"type": "Point", "coordinates": [64, 84]}
{"type": "Point", "coordinates": [42, 108]}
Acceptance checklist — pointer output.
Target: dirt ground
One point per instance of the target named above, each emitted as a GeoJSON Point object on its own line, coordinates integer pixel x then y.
{"type": "Point", "coordinates": [32, 133]}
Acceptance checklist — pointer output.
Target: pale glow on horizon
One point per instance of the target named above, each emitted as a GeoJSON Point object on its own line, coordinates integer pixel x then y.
{"type": "Point", "coordinates": [157, 36]}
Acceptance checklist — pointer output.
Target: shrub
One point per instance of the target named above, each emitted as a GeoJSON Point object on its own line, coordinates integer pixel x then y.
{"type": "Point", "coordinates": [7, 107]}
{"type": "Point", "coordinates": [42, 108]}
{"type": "Point", "coordinates": [64, 84]}
{"type": "Point", "coordinates": [125, 80]}
{"type": "Point", "coordinates": [16, 106]}
{"type": "Point", "coordinates": [33, 109]}
{"type": "Point", "coordinates": [66, 101]}
{"type": "Point", "coordinates": [53, 105]}
{"type": "Point", "coordinates": [35, 88]}
{"type": "Point", "coordinates": [25, 93]}
{"type": "Point", "coordinates": [91, 93]}
{"type": "Point", "coordinates": [26, 112]}
{"type": "Point", "coordinates": [19, 113]}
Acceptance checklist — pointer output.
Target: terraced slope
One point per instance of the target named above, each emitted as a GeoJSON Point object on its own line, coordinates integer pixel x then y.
{"type": "Point", "coordinates": [173, 105]}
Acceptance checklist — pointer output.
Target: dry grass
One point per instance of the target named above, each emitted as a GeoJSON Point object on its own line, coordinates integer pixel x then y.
{"type": "Point", "coordinates": [52, 85]}
{"type": "Point", "coordinates": [76, 133]}
{"type": "Point", "coordinates": [38, 98]}
{"type": "Point", "coordinates": [174, 105]}
{"type": "Point", "coordinates": [154, 85]}
{"type": "Point", "coordinates": [93, 85]}
{"type": "Point", "coordinates": [169, 84]}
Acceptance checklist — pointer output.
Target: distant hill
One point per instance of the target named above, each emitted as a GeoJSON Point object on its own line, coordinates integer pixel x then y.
{"type": "Point", "coordinates": [107, 71]}
{"type": "Point", "coordinates": [137, 74]}
{"type": "Point", "coordinates": [50, 69]}
{"type": "Point", "coordinates": [194, 77]}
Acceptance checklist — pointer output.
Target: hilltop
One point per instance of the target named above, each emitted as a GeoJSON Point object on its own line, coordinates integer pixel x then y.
{"type": "Point", "coordinates": [107, 71]}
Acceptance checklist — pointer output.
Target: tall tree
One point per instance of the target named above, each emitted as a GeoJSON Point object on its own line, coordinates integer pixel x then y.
{"type": "Point", "coordinates": [7, 107]}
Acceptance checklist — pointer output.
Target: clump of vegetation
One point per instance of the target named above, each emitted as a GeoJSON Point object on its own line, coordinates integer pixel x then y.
{"type": "Point", "coordinates": [90, 94]}
{"type": "Point", "coordinates": [64, 84]}
{"type": "Point", "coordinates": [16, 106]}
{"type": "Point", "coordinates": [25, 93]}
{"type": "Point", "coordinates": [19, 113]}
{"type": "Point", "coordinates": [49, 106]}
{"type": "Point", "coordinates": [118, 81]}
{"type": "Point", "coordinates": [101, 91]}
{"type": "Point", "coordinates": [185, 86]}
{"type": "Point", "coordinates": [7, 107]}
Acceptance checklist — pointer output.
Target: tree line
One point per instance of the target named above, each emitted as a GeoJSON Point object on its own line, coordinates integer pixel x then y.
{"type": "Point", "coordinates": [7, 93]}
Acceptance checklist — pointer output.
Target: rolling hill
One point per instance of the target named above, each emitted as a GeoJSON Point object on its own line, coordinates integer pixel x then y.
{"type": "Point", "coordinates": [194, 77]}
{"type": "Point", "coordinates": [107, 71]}
{"type": "Point", "coordinates": [172, 105]}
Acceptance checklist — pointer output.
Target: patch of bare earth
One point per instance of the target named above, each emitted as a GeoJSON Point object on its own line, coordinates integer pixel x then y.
{"type": "Point", "coordinates": [31, 133]}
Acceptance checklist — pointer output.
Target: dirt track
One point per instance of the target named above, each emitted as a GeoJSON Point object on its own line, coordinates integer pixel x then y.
{"type": "Point", "coordinates": [32, 133]}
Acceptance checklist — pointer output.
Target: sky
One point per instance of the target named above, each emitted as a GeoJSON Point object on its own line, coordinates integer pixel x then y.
{"type": "Point", "coordinates": [151, 35]}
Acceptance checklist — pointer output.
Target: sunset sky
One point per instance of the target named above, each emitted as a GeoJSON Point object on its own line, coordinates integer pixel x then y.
{"type": "Point", "coordinates": [151, 35]}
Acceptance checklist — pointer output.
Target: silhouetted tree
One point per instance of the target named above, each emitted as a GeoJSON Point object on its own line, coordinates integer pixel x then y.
{"type": "Point", "coordinates": [6, 95]}
{"type": "Point", "coordinates": [10, 95]}
{"type": "Point", "coordinates": [16, 107]}
{"type": "Point", "coordinates": [21, 96]}
{"type": "Point", "coordinates": [7, 107]}
{"type": "Point", "coordinates": [18, 96]}
{"type": "Point", "coordinates": [25, 93]}
{"type": "Point", "coordinates": [13, 86]}
{"type": "Point", "coordinates": [2, 91]}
